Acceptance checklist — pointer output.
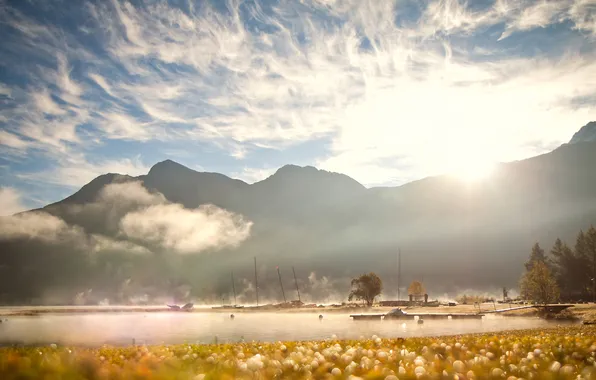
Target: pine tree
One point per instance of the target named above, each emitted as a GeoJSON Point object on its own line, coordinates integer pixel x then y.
{"type": "Point", "coordinates": [581, 275]}
{"type": "Point", "coordinates": [537, 255]}
{"type": "Point", "coordinates": [581, 244]}
{"type": "Point", "coordinates": [590, 253]}
{"type": "Point", "coordinates": [563, 266]}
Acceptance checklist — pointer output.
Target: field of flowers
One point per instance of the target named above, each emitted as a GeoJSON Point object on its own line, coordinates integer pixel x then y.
{"type": "Point", "coordinates": [557, 353]}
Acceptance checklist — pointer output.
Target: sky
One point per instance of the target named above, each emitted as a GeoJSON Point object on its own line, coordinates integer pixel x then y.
{"type": "Point", "coordinates": [384, 91]}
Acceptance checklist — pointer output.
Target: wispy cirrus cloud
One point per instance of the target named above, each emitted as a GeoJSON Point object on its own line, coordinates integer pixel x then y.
{"type": "Point", "coordinates": [402, 89]}
{"type": "Point", "coordinates": [522, 16]}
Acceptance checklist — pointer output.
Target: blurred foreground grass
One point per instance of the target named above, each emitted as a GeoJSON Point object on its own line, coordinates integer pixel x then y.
{"type": "Point", "coordinates": [557, 353]}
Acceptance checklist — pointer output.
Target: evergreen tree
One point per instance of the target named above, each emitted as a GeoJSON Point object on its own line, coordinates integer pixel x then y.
{"type": "Point", "coordinates": [573, 269]}
{"type": "Point", "coordinates": [581, 276]}
{"type": "Point", "coordinates": [537, 255]}
{"type": "Point", "coordinates": [590, 254]}
{"type": "Point", "coordinates": [580, 244]}
{"type": "Point", "coordinates": [564, 266]}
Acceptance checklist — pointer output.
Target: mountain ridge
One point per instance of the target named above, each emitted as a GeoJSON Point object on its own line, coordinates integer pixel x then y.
{"type": "Point", "coordinates": [452, 233]}
{"type": "Point", "coordinates": [587, 133]}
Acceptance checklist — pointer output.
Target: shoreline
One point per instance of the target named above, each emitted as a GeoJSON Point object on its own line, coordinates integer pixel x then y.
{"type": "Point", "coordinates": [585, 312]}
{"type": "Point", "coordinates": [27, 310]}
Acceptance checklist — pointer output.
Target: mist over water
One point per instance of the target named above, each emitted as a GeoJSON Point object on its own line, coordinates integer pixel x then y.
{"type": "Point", "coordinates": [96, 329]}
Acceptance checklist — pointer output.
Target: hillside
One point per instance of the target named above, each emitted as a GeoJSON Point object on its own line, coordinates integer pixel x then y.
{"type": "Point", "coordinates": [153, 235]}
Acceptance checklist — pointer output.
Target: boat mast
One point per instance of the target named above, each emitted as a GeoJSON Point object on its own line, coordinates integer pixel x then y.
{"type": "Point", "coordinates": [296, 282]}
{"type": "Point", "coordinates": [281, 285]}
{"type": "Point", "coordinates": [234, 289]}
{"type": "Point", "coordinates": [398, 273]}
{"type": "Point", "coordinates": [256, 282]}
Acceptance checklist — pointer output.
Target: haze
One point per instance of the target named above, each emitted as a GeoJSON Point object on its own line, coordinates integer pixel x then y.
{"type": "Point", "coordinates": [163, 145]}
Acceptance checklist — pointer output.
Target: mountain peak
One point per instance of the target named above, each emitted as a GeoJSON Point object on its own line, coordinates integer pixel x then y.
{"type": "Point", "coordinates": [167, 165]}
{"type": "Point", "coordinates": [290, 168]}
{"type": "Point", "coordinates": [305, 175]}
{"type": "Point", "coordinates": [587, 133]}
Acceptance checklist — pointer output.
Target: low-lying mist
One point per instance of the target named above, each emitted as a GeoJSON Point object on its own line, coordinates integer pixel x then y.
{"type": "Point", "coordinates": [158, 328]}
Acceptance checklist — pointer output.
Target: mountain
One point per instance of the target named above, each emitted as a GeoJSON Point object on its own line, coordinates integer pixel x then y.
{"type": "Point", "coordinates": [586, 134]}
{"type": "Point", "coordinates": [155, 235]}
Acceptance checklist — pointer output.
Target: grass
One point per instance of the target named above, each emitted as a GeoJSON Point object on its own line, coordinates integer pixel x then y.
{"type": "Point", "coordinates": [557, 353]}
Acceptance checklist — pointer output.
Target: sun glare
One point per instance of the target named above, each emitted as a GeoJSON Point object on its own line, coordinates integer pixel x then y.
{"type": "Point", "coordinates": [471, 169]}
{"type": "Point", "coordinates": [474, 172]}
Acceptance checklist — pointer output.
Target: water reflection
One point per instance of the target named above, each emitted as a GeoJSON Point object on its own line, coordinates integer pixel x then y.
{"type": "Point", "coordinates": [170, 328]}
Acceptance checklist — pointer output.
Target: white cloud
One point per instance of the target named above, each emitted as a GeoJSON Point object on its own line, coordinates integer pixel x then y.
{"type": "Point", "coordinates": [48, 126]}
{"type": "Point", "coordinates": [71, 89]}
{"type": "Point", "coordinates": [130, 211]}
{"type": "Point", "coordinates": [129, 193]}
{"type": "Point", "coordinates": [186, 231]}
{"type": "Point", "coordinates": [122, 126]}
{"type": "Point", "coordinates": [10, 201]}
{"type": "Point", "coordinates": [583, 15]}
{"type": "Point", "coordinates": [45, 104]}
{"type": "Point", "coordinates": [113, 202]}
{"type": "Point", "coordinates": [140, 218]}
{"type": "Point", "coordinates": [101, 82]}
{"type": "Point", "coordinates": [539, 15]}
{"type": "Point", "coordinates": [11, 140]}
{"type": "Point", "coordinates": [33, 225]}
{"type": "Point", "coordinates": [53, 230]}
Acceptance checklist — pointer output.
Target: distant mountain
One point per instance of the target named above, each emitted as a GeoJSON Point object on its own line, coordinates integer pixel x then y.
{"type": "Point", "coordinates": [153, 235]}
{"type": "Point", "coordinates": [586, 134]}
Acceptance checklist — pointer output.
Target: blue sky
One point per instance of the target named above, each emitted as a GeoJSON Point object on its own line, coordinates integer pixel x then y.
{"type": "Point", "coordinates": [384, 91]}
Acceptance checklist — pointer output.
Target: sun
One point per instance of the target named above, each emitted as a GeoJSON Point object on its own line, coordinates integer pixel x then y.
{"type": "Point", "coordinates": [475, 172]}
{"type": "Point", "coordinates": [471, 169]}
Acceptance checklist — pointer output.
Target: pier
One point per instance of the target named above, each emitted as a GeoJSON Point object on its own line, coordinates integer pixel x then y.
{"type": "Point", "coordinates": [549, 308]}
{"type": "Point", "coordinates": [371, 317]}
{"type": "Point", "coordinates": [399, 314]}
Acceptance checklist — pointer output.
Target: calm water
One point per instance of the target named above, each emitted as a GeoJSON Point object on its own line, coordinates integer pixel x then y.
{"type": "Point", "coordinates": [156, 328]}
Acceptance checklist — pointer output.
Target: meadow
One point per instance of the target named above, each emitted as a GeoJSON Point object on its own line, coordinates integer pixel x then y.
{"type": "Point", "coordinates": [555, 353]}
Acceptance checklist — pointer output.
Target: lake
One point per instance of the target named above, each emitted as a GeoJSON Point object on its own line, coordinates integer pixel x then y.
{"type": "Point", "coordinates": [94, 329]}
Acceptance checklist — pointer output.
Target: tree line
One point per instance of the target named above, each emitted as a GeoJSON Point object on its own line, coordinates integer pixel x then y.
{"type": "Point", "coordinates": [566, 274]}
